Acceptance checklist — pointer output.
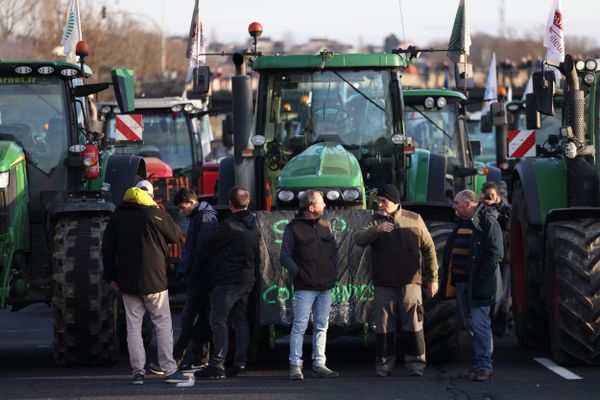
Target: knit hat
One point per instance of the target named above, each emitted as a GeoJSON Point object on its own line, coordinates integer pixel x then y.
{"type": "Point", "coordinates": [390, 192]}
{"type": "Point", "coordinates": [147, 186]}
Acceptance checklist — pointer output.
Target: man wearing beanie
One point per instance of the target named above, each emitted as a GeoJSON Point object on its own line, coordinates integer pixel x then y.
{"type": "Point", "coordinates": [400, 246]}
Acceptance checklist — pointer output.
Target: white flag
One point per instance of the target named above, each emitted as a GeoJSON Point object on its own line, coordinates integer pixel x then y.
{"type": "Point", "coordinates": [491, 86]}
{"type": "Point", "coordinates": [554, 39]}
{"type": "Point", "coordinates": [528, 87]}
{"type": "Point", "coordinates": [195, 46]}
{"type": "Point", "coordinates": [72, 32]}
{"type": "Point", "coordinates": [460, 38]}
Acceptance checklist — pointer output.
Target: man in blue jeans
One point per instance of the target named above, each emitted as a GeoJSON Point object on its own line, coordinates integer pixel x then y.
{"type": "Point", "coordinates": [471, 258]}
{"type": "Point", "coordinates": [310, 254]}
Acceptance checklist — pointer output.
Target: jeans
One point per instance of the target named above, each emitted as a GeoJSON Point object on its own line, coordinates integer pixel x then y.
{"type": "Point", "coordinates": [320, 304]}
{"type": "Point", "coordinates": [477, 323]}
{"type": "Point", "coordinates": [230, 302]}
{"type": "Point", "coordinates": [194, 322]}
{"type": "Point", "coordinates": [157, 304]}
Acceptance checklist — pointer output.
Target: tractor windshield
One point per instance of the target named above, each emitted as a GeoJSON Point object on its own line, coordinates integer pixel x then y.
{"type": "Point", "coordinates": [433, 130]}
{"type": "Point", "coordinates": [166, 136]}
{"type": "Point", "coordinates": [32, 112]}
{"type": "Point", "coordinates": [351, 108]}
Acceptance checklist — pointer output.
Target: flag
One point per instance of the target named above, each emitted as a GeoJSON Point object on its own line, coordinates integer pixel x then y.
{"type": "Point", "coordinates": [72, 32]}
{"type": "Point", "coordinates": [491, 86]}
{"type": "Point", "coordinates": [554, 39]}
{"type": "Point", "coordinates": [528, 87]}
{"type": "Point", "coordinates": [460, 39]}
{"type": "Point", "coordinates": [195, 45]}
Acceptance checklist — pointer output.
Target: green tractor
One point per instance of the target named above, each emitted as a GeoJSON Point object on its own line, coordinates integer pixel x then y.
{"type": "Point", "coordinates": [336, 123]}
{"type": "Point", "coordinates": [556, 222]}
{"type": "Point", "coordinates": [57, 190]}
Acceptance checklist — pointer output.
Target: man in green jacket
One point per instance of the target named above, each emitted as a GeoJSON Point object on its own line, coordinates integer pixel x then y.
{"type": "Point", "coordinates": [400, 246]}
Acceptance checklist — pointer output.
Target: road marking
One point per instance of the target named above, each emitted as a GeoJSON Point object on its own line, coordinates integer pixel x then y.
{"type": "Point", "coordinates": [558, 370]}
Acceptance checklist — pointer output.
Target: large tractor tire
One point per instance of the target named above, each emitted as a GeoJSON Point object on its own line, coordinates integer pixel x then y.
{"type": "Point", "coordinates": [84, 307]}
{"type": "Point", "coordinates": [572, 290]}
{"type": "Point", "coordinates": [442, 322]}
{"type": "Point", "coordinates": [529, 311]}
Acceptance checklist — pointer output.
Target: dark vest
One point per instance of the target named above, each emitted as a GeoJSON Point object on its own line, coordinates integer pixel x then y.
{"type": "Point", "coordinates": [314, 252]}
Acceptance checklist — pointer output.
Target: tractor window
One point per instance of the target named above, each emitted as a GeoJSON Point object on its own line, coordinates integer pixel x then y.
{"type": "Point", "coordinates": [433, 129]}
{"type": "Point", "coordinates": [166, 136]}
{"type": "Point", "coordinates": [33, 114]}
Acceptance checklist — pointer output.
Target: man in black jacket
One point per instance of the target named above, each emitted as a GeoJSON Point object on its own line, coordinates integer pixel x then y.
{"type": "Point", "coordinates": [309, 253]}
{"type": "Point", "coordinates": [196, 267]}
{"type": "Point", "coordinates": [471, 257]}
{"type": "Point", "coordinates": [235, 245]}
{"type": "Point", "coordinates": [134, 252]}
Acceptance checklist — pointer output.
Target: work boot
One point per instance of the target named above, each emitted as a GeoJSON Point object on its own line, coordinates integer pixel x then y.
{"type": "Point", "coordinates": [482, 375]}
{"type": "Point", "coordinates": [296, 373]}
{"type": "Point", "coordinates": [468, 374]}
{"type": "Point", "coordinates": [323, 372]}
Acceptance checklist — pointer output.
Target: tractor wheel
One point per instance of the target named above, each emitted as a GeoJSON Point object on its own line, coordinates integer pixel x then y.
{"type": "Point", "coordinates": [442, 323]}
{"type": "Point", "coordinates": [85, 308]}
{"type": "Point", "coordinates": [573, 285]}
{"type": "Point", "coordinates": [529, 311]}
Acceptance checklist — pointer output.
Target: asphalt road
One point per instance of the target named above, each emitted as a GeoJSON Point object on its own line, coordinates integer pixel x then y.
{"type": "Point", "coordinates": [27, 372]}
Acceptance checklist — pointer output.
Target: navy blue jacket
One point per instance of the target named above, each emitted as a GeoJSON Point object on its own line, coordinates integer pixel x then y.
{"type": "Point", "coordinates": [195, 262]}
{"type": "Point", "coordinates": [486, 249]}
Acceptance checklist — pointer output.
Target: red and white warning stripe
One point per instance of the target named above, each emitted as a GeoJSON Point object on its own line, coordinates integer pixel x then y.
{"type": "Point", "coordinates": [521, 144]}
{"type": "Point", "coordinates": [129, 127]}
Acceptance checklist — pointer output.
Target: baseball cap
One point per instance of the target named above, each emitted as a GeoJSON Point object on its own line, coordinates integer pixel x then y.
{"type": "Point", "coordinates": [146, 186]}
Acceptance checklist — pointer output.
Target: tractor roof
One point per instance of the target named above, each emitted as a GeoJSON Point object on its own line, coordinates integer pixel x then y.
{"type": "Point", "coordinates": [329, 61]}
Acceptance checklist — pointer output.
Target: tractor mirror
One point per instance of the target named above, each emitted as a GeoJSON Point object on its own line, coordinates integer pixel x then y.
{"type": "Point", "coordinates": [475, 147]}
{"type": "Point", "coordinates": [533, 118]}
{"type": "Point", "coordinates": [201, 80]}
{"type": "Point", "coordinates": [463, 76]}
{"type": "Point", "coordinates": [498, 112]}
{"type": "Point", "coordinates": [124, 87]}
{"type": "Point", "coordinates": [544, 87]}
{"type": "Point", "coordinates": [485, 123]}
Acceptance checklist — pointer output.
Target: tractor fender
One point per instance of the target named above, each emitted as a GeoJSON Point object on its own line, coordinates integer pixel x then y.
{"type": "Point", "coordinates": [60, 209]}
{"type": "Point", "coordinates": [123, 171]}
{"type": "Point", "coordinates": [544, 186]}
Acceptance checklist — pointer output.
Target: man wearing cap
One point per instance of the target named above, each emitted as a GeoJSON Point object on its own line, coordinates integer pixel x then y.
{"type": "Point", "coordinates": [134, 253]}
{"type": "Point", "coordinates": [403, 258]}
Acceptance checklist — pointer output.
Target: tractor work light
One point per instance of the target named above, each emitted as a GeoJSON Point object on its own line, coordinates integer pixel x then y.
{"type": "Point", "coordinates": [188, 108]}
{"type": "Point", "coordinates": [589, 78]}
{"type": "Point", "coordinates": [258, 140]}
{"type": "Point", "coordinates": [23, 70]}
{"type": "Point", "coordinates": [105, 109]}
{"type": "Point", "coordinates": [398, 139]}
{"type": "Point", "coordinates": [351, 194]}
{"type": "Point", "coordinates": [580, 65]}
{"type": "Point", "coordinates": [4, 180]}
{"type": "Point", "coordinates": [441, 102]}
{"type": "Point", "coordinates": [116, 110]}
{"type": "Point", "coordinates": [285, 196]}
{"type": "Point", "coordinates": [591, 65]}
{"type": "Point", "coordinates": [177, 108]}
{"type": "Point", "coordinates": [429, 102]}
{"type": "Point", "coordinates": [69, 72]}
{"type": "Point", "coordinates": [333, 195]}
{"type": "Point", "coordinates": [45, 70]}
{"type": "Point", "coordinates": [77, 148]}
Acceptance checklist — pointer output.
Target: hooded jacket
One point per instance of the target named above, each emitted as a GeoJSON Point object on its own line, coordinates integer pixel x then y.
{"type": "Point", "coordinates": [135, 244]}
{"type": "Point", "coordinates": [195, 262]}
{"type": "Point", "coordinates": [235, 246]}
{"type": "Point", "coordinates": [485, 252]}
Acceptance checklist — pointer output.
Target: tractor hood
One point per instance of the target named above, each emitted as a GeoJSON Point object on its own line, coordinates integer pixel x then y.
{"type": "Point", "coordinates": [322, 165]}
{"type": "Point", "coordinates": [10, 154]}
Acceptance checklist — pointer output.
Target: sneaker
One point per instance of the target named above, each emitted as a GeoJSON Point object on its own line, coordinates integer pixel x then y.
{"type": "Point", "coordinates": [138, 379]}
{"type": "Point", "coordinates": [211, 373]}
{"type": "Point", "coordinates": [296, 373]}
{"type": "Point", "coordinates": [237, 371]}
{"type": "Point", "coordinates": [380, 373]}
{"type": "Point", "coordinates": [468, 374]}
{"type": "Point", "coordinates": [323, 372]}
{"type": "Point", "coordinates": [415, 372]}
{"type": "Point", "coordinates": [176, 377]}
{"type": "Point", "coordinates": [192, 367]}
{"type": "Point", "coordinates": [482, 375]}
{"type": "Point", "coordinates": [155, 368]}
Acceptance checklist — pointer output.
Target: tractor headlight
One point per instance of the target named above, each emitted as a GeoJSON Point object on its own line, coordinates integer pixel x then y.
{"type": "Point", "coordinates": [333, 195]}
{"type": "Point", "coordinates": [441, 102]}
{"type": "Point", "coordinates": [177, 108]}
{"type": "Point", "coordinates": [351, 194]}
{"type": "Point", "coordinates": [3, 180]}
{"type": "Point", "coordinates": [591, 65]}
{"type": "Point", "coordinates": [429, 102]}
{"type": "Point", "coordinates": [580, 65]}
{"type": "Point", "coordinates": [285, 196]}
{"type": "Point", "coordinates": [588, 78]}
{"type": "Point", "coordinates": [188, 107]}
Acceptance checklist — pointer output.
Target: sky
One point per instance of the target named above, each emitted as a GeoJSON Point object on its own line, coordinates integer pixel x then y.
{"type": "Point", "coordinates": [361, 21]}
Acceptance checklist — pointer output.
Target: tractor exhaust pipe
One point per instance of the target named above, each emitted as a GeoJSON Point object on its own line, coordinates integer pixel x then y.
{"type": "Point", "coordinates": [574, 106]}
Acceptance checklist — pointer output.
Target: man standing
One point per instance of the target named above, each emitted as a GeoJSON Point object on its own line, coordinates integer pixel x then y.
{"type": "Point", "coordinates": [235, 245]}
{"type": "Point", "coordinates": [196, 267]}
{"type": "Point", "coordinates": [400, 246]}
{"type": "Point", "coordinates": [309, 253]}
{"type": "Point", "coordinates": [471, 257]}
{"type": "Point", "coordinates": [134, 252]}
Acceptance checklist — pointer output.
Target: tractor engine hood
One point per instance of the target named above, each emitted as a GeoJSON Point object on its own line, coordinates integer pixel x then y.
{"type": "Point", "coordinates": [10, 154]}
{"type": "Point", "coordinates": [322, 165]}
